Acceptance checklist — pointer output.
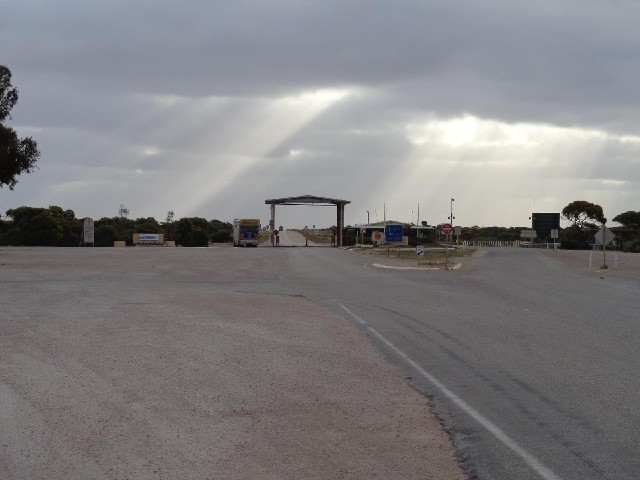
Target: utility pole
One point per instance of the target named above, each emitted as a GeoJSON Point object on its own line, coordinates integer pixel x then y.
{"type": "Point", "coordinates": [451, 219]}
{"type": "Point", "coordinates": [604, 247]}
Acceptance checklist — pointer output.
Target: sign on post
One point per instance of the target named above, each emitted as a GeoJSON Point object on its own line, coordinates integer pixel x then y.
{"type": "Point", "coordinates": [446, 229]}
{"type": "Point", "coordinates": [604, 236]}
{"type": "Point", "coordinates": [393, 233]}
{"type": "Point", "coordinates": [420, 250]}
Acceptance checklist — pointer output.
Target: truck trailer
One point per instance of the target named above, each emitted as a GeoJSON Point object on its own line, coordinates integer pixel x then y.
{"type": "Point", "coordinates": [246, 232]}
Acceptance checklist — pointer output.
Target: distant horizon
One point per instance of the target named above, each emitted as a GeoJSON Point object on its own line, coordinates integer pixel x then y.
{"type": "Point", "coordinates": [264, 223]}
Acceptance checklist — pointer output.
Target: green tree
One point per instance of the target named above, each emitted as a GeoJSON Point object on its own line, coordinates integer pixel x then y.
{"type": "Point", "coordinates": [168, 226]}
{"type": "Point", "coordinates": [124, 226]}
{"type": "Point", "coordinates": [17, 155]}
{"type": "Point", "coordinates": [5, 227]}
{"type": "Point", "coordinates": [632, 246]}
{"type": "Point", "coordinates": [583, 214]}
{"type": "Point", "coordinates": [40, 227]}
{"type": "Point", "coordinates": [630, 220]}
{"type": "Point", "coordinates": [45, 230]}
{"type": "Point", "coordinates": [105, 234]}
{"type": "Point", "coordinates": [184, 232]}
{"type": "Point", "coordinates": [147, 225]}
{"type": "Point", "coordinates": [192, 232]}
{"type": "Point", "coordinates": [220, 232]}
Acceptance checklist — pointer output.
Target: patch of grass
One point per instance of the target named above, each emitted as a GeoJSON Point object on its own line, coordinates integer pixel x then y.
{"type": "Point", "coordinates": [430, 256]}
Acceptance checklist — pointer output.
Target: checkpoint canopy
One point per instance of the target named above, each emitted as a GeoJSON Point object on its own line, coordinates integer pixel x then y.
{"type": "Point", "coordinates": [312, 200]}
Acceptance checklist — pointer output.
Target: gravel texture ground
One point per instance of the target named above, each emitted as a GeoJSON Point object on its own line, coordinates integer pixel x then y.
{"type": "Point", "coordinates": [621, 266]}
{"type": "Point", "coordinates": [142, 364]}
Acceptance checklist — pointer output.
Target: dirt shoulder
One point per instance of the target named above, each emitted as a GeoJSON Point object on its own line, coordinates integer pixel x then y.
{"type": "Point", "coordinates": [621, 266]}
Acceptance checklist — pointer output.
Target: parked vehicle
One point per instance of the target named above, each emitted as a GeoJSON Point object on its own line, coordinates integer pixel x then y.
{"type": "Point", "coordinates": [246, 232]}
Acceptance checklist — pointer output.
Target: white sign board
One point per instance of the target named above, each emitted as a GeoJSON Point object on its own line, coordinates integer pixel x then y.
{"type": "Point", "coordinates": [554, 233]}
{"type": "Point", "coordinates": [420, 250]}
{"type": "Point", "coordinates": [88, 231]}
{"type": "Point", "coordinates": [528, 234]}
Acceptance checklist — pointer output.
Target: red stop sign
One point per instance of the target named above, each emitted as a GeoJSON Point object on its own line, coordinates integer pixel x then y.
{"type": "Point", "coordinates": [446, 229]}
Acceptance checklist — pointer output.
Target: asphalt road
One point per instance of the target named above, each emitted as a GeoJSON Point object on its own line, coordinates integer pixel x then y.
{"type": "Point", "coordinates": [292, 238]}
{"type": "Point", "coordinates": [532, 366]}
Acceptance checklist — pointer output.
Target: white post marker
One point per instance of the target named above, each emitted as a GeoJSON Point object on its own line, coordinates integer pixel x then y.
{"type": "Point", "coordinates": [604, 237]}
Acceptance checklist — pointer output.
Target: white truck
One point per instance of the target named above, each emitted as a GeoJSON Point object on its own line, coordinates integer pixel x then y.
{"type": "Point", "coordinates": [246, 232]}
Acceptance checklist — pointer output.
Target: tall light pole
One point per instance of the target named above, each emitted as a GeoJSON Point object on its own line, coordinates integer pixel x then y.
{"type": "Point", "coordinates": [452, 218]}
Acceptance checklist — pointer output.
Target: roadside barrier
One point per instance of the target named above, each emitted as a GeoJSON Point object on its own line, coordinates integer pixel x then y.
{"type": "Point", "coordinates": [490, 243]}
{"type": "Point", "coordinates": [509, 243]}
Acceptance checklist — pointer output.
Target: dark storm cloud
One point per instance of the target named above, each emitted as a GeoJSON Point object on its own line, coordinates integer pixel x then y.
{"type": "Point", "coordinates": [541, 51]}
{"type": "Point", "coordinates": [550, 62]}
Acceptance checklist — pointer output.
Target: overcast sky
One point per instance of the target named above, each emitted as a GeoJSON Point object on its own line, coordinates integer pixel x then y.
{"type": "Point", "coordinates": [207, 108]}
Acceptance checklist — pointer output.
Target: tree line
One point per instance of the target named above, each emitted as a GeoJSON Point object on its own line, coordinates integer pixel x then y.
{"type": "Point", "coordinates": [587, 218]}
{"type": "Point", "coordinates": [54, 226]}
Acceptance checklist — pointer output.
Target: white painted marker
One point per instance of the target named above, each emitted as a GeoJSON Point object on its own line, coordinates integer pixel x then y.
{"type": "Point", "coordinates": [545, 472]}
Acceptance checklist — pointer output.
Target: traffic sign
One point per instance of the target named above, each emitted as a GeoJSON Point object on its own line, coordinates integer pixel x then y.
{"type": "Point", "coordinates": [446, 229]}
{"type": "Point", "coordinates": [604, 236]}
{"type": "Point", "coordinates": [393, 233]}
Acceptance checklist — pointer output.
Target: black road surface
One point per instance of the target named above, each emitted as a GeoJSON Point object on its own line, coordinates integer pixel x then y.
{"type": "Point", "coordinates": [533, 368]}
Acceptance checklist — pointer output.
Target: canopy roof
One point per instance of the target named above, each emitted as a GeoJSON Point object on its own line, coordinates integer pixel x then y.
{"type": "Point", "coordinates": [306, 200]}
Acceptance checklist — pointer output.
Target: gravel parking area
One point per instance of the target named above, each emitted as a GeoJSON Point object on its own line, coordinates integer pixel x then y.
{"type": "Point", "coordinates": [621, 266]}
{"type": "Point", "coordinates": [151, 364]}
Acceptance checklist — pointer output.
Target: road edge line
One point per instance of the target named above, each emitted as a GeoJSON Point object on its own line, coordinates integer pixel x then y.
{"type": "Point", "coordinates": [545, 472]}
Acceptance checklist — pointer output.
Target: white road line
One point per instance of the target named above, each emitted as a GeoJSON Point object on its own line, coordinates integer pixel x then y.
{"type": "Point", "coordinates": [545, 472]}
{"type": "Point", "coordinates": [357, 318]}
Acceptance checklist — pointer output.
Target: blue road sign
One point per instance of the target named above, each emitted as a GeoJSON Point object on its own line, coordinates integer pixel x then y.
{"type": "Point", "coordinates": [393, 233]}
